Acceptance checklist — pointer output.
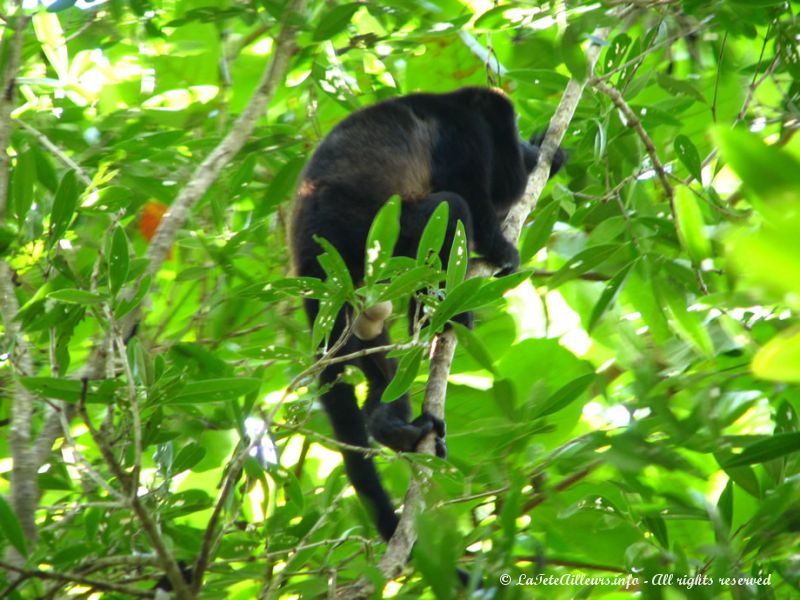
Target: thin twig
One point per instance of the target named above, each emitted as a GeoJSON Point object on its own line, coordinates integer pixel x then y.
{"type": "Point", "coordinates": [632, 121]}
{"type": "Point", "coordinates": [149, 525]}
{"type": "Point", "coordinates": [74, 578]}
{"type": "Point", "coordinates": [48, 145]}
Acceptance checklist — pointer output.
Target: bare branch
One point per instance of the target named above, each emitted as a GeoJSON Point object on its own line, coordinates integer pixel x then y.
{"type": "Point", "coordinates": [74, 578]}
{"type": "Point", "coordinates": [48, 145]}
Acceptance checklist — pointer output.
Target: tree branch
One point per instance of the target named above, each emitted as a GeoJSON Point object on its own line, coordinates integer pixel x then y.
{"type": "Point", "coordinates": [632, 121]}
{"type": "Point", "coordinates": [74, 578]}
{"type": "Point", "coordinates": [212, 166]}
{"type": "Point", "coordinates": [151, 529]}
{"type": "Point", "coordinates": [24, 487]}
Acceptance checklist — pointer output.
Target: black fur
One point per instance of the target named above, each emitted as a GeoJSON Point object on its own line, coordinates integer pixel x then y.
{"type": "Point", "coordinates": [462, 148]}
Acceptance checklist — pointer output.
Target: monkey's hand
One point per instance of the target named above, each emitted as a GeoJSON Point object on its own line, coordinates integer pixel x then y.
{"type": "Point", "coordinates": [504, 255]}
{"type": "Point", "coordinates": [559, 158]}
{"type": "Point", "coordinates": [402, 436]}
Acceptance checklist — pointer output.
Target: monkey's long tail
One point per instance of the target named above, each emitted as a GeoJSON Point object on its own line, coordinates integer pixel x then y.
{"type": "Point", "coordinates": [348, 425]}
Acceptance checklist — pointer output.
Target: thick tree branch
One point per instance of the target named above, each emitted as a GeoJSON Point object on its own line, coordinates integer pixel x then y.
{"type": "Point", "coordinates": [444, 346]}
{"type": "Point", "coordinates": [212, 166]}
{"type": "Point", "coordinates": [24, 488]}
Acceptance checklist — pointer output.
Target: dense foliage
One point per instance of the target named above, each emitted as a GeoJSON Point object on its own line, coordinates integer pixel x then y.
{"type": "Point", "coordinates": [626, 405]}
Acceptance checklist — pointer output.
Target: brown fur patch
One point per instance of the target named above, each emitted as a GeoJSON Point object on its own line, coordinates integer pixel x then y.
{"type": "Point", "coordinates": [306, 188]}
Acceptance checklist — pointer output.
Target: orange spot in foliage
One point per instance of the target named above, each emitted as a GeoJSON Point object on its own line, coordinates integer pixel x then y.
{"type": "Point", "coordinates": [152, 213]}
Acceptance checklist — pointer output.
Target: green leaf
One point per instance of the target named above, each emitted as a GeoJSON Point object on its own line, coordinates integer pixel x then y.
{"type": "Point", "coordinates": [125, 306]}
{"type": "Point", "coordinates": [409, 282]}
{"type": "Point", "coordinates": [64, 205]}
{"type": "Point", "coordinates": [118, 260]}
{"type": "Point", "coordinates": [494, 289]}
{"type": "Point", "coordinates": [11, 528]}
{"type": "Point", "coordinates": [22, 185]}
{"type": "Point", "coordinates": [432, 238]}
{"type": "Point", "coordinates": [381, 240]}
{"type": "Point", "coordinates": [335, 268]}
{"type": "Point", "coordinates": [215, 390]}
{"type": "Point", "coordinates": [777, 446]}
{"type": "Point", "coordinates": [686, 324]}
{"type": "Point", "coordinates": [459, 259]}
{"type": "Point", "coordinates": [582, 262]}
{"type": "Point", "coordinates": [407, 371]}
{"type": "Point", "coordinates": [680, 87]}
{"type": "Point", "coordinates": [74, 296]}
{"type": "Point", "coordinates": [455, 303]}
{"type": "Point", "coordinates": [280, 187]}
{"type": "Point", "coordinates": [474, 347]}
{"type": "Point", "coordinates": [572, 54]}
{"type": "Point", "coordinates": [689, 156]}
{"type": "Point", "coordinates": [334, 21]}
{"type": "Point", "coordinates": [779, 358]}
{"type": "Point", "coordinates": [68, 390]}
{"type": "Point", "coordinates": [564, 396]}
{"type": "Point", "coordinates": [691, 225]}
{"type": "Point", "coordinates": [615, 52]}
{"type": "Point", "coordinates": [765, 169]}
{"type": "Point", "coordinates": [188, 457]}
{"type": "Point", "coordinates": [609, 295]}
{"type": "Point", "coordinates": [537, 234]}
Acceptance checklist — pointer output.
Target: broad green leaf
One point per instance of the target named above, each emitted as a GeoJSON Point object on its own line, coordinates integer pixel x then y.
{"type": "Point", "coordinates": [335, 268]}
{"type": "Point", "coordinates": [381, 240]}
{"type": "Point", "coordinates": [335, 20]}
{"type": "Point", "coordinates": [188, 457]}
{"type": "Point", "coordinates": [326, 317]}
{"type": "Point", "coordinates": [779, 359]}
{"type": "Point", "coordinates": [68, 390]}
{"type": "Point", "coordinates": [455, 303]}
{"type": "Point", "coordinates": [73, 296]}
{"type": "Point", "coordinates": [686, 324]}
{"type": "Point", "coordinates": [475, 347]}
{"type": "Point", "coordinates": [680, 87]}
{"type": "Point", "coordinates": [615, 52]}
{"type": "Point", "coordinates": [409, 282]}
{"type": "Point", "coordinates": [537, 234]}
{"type": "Point", "coordinates": [572, 53]}
{"type": "Point", "coordinates": [118, 260]}
{"type": "Point", "coordinates": [582, 262]}
{"type": "Point", "coordinates": [494, 289]}
{"type": "Point", "coordinates": [64, 205]}
{"type": "Point", "coordinates": [773, 447]}
{"type": "Point", "coordinates": [459, 259]}
{"type": "Point", "coordinates": [689, 156]}
{"type": "Point", "coordinates": [280, 187]}
{"type": "Point", "coordinates": [215, 390]}
{"type": "Point", "coordinates": [125, 306]}
{"type": "Point", "coordinates": [22, 185]}
{"type": "Point", "coordinates": [766, 169]}
{"type": "Point", "coordinates": [690, 225]}
{"type": "Point", "coordinates": [11, 528]}
{"type": "Point", "coordinates": [609, 295]}
{"type": "Point", "coordinates": [407, 370]}
{"type": "Point", "coordinates": [432, 238]}
{"type": "Point", "coordinates": [565, 395]}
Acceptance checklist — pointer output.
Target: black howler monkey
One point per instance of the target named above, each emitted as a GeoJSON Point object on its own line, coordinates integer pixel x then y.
{"type": "Point", "coordinates": [462, 148]}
